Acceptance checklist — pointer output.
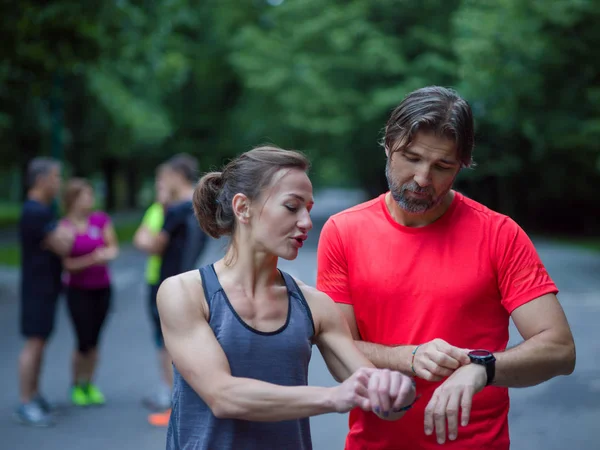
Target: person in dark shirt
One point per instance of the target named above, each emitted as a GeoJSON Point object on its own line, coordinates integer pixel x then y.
{"type": "Point", "coordinates": [180, 242]}
{"type": "Point", "coordinates": [42, 243]}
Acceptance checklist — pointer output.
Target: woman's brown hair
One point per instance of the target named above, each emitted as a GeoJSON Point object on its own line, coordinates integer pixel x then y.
{"type": "Point", "coordinates": [73, 189]}
{"type": "Point", "coordinates": [248, 174]}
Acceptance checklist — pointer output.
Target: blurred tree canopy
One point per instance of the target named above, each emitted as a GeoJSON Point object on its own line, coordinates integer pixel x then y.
{"type": "Point", "coordinates": [116, 87]}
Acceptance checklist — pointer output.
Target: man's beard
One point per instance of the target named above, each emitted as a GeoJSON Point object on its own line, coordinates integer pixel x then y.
{"type": "Point", "coordinates": [411, 205]}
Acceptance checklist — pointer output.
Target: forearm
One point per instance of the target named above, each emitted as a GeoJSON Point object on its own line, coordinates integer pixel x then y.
{"type": "Point", "coordinates": [112, 251]}
{"type": "Point", "coordinates": [248, 399]}
{"type": "Point", "coordinates": [143, 240]}
{"type": "Point", "coordinates": [343, 363]}
{"type": "Point", "coordinates": [148, 242]}
{"type": "Point", "coordinates": [386, 357]}
{"type": "Point", "coordinates": [59, 246]}
{"type": "Point", "coordinates": [534, 361]}
{"type": "Point", "coordinates": [79, 263]}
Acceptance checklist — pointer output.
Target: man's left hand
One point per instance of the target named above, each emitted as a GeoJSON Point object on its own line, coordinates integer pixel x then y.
{"type": "Point", "coordinates": [454, 394]}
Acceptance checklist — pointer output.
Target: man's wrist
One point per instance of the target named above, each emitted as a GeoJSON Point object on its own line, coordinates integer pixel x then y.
{"type": "Point", "coordinates": [480, 371]}
{"type": "Point", "coordinates": [487, 360]}
{"type": "Point", "coordinates": [402, 359]}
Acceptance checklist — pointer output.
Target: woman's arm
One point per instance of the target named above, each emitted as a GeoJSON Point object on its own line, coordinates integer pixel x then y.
{"type": "Point", "coordinates": [111, 249]}
{"type": "Point", "coordinates": [79, 263]}
{"type": "Point", "coordinates": [101, 255]}
{"type": "Point", "coordinates": [201, 361]}
{"type": "Point", "coordinates": [343, 357]}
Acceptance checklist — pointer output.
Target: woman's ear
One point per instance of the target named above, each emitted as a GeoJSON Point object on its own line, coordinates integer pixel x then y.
{"type": "Point", "coordinates": [241, 208]}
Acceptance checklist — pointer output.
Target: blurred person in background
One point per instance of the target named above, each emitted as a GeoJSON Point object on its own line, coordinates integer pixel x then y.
{"type": "Point", "coordinates": [88, 284]}
{"type": "Point", "coordinates": [180, 241]}
{"type": "Point", "coordinates": [241, 331]}
{"type": "Point", "coordinates": [151, 224]}
{"type": "Point", "coordinates": [42, 243]}
{"type": "Point", "coordinates": [430, 286]}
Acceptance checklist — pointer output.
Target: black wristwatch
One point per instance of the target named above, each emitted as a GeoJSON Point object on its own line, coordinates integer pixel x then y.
{"type": "Point", "coordinates": [486, 359]}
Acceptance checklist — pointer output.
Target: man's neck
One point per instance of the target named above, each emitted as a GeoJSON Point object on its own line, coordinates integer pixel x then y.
{"type": "Point", "coordinates": [418, 220]}
{"type": "Point", "coordinates": [185, 193]}
{"type": "Point", "coordinates": [39, 196]}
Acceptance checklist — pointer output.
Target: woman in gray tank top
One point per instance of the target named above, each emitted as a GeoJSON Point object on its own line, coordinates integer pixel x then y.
{"type": "Point", "coordinates": [240, 331]}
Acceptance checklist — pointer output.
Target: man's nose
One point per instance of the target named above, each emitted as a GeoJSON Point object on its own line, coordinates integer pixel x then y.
{"type": "Point", "coordinates": [423, 177]}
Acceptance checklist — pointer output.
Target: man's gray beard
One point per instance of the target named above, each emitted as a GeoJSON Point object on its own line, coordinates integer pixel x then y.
{"type": "Point", "coordinates": [410, 205]}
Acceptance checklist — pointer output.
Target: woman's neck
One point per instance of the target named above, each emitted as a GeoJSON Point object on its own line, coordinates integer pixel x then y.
{"type": "Point", "coordinates": [78, 216]}
{"type": "Point", "coordinates": [249, 269]}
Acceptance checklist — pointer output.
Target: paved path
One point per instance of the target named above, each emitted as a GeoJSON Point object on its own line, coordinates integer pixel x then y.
{"type": "Point", "coordinates": [561, 414]}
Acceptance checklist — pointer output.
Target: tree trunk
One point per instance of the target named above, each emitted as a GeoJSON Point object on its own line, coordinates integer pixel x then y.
{"type": "Point", "coordinates": [29, 148]}
{"type": "Point", "coordinates": [131, 184]}
{"type": "Point", "coordinates": [109, 170]}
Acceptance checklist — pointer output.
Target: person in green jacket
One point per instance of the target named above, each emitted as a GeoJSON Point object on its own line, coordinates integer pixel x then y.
{"type": "Point", "coordinates": [152, 223]}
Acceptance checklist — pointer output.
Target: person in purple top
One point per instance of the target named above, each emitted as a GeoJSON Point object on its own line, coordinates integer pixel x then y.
{"type": "Point", "coordinates": [87, 281]}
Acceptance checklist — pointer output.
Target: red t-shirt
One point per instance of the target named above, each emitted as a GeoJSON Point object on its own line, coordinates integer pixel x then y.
{"type": "Point", "coordinates": [457, 279]}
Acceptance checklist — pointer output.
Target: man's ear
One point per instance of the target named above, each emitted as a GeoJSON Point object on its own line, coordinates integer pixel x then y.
{"type": "Point", "coordinates": [241, 208]}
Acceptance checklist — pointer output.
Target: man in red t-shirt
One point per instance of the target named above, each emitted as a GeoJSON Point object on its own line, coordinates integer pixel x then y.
{"type": "Point", "coordinates": [428, 279]}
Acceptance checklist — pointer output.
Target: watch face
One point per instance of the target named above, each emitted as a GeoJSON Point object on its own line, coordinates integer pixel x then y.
{"type": "Point", "coordinates": [479, 353]}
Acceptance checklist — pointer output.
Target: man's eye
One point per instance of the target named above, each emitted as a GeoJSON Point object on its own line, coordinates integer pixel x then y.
{"type": "Point", "coordinates": [411, 159]}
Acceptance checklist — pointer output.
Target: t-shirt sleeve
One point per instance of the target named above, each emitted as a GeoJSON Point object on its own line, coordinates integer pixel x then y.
{"type": "Point", "coordinates": [153, 217]}
{"type": "Point", "coordinates": [173, 220]}
{"type": "Point", "coordinates": [37, 223]}
{"type": "Point", "coordinates": [522, 276]}
{"type": "Point", "coordinates": [332, 265]}
{"type": "Point", "coordinates": [148, 215]}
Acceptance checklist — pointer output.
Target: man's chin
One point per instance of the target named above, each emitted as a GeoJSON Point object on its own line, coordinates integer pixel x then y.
{"type": "Point", "coordinates": [415, 209]}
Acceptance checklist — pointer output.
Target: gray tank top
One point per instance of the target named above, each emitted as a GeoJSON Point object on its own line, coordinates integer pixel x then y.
{"type": "Point", "coordinates": [278, 357]}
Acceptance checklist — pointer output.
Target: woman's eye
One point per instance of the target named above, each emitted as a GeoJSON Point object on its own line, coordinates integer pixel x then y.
{"type": "Point", "coordinates": [291, 208]}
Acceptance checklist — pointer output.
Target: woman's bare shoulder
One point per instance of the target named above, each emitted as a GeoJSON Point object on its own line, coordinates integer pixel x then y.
{"type": "Point", "coordinates": [182, 294]}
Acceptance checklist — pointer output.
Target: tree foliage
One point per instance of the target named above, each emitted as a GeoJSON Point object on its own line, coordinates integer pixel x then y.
{"type": "Point", "coordinates": [122, 85]}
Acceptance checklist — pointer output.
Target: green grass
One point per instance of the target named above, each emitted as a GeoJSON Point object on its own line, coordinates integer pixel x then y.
{"type": "Point", "coordinates": [9, 214]}
{"type": "Point", "coordinates": [10, 254]}
{"type": "Point", "coordinates": [589, 243]}
{"type": "Point", "coordinates": [125, 231]}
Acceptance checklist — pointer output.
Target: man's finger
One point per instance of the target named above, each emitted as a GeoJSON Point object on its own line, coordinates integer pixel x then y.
{"type": "Point", "coordinates": [429, 409]}
{"type": "Point", "coordinates": [425, 374]}
{"type": "Point", "coordinates": [452, 414]}
{"type": "Point", "coordinates": [439, 418]}
{"type": "Point", "coordinates": [459, 354]}
{"type": "Point", "coordinates": [465, 405]}
{"type": "Point", "coordinates": [443, 360]}
{"type": "Point", "coordinates": [437, 371]}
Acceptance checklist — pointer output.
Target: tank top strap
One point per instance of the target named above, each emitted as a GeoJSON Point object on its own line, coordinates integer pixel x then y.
{"type": "Point", "coordinates": [296, 294]}
{"type": "Point", "coordinates": [210, 283]}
